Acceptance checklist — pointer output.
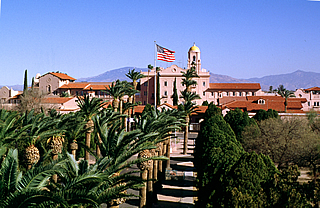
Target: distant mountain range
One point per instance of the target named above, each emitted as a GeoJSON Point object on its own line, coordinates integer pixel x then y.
{"type": "Point", "coordinates": [291, 81]}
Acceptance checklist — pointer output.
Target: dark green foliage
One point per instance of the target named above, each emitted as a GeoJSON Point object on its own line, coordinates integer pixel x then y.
{"type": "Point", "coordinates": [249, 181]}
{"type": "Point", "coordinates": [25, 82]}
{"type": "Point", "coordinates": [216, 152]}
{"type": "Point", "coordinates": [228, 176]}
{"type": "Point", "coordinates": [205, 103]}
{"type": "Point", "coordinates": [272, 113]}
{"type": "Point", "coordinates": [148, 109]}
{"type": "Point", "coordinates": [263, 115]}
{"type": "Point", "coordinates": [175, 93]}
{"type": "Point", "coordinates": [238, 120]}
{"type": "Point", "coordinates": [212, 110]}
{"type": "Point", "coordinates": [32, 83]}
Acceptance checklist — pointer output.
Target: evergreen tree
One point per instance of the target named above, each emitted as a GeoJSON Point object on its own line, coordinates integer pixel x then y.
{"type": "Point", "coordinates": [263, 115]}
{"type": "Point", "coordinates": [32, 84]}
{"type": "Point", "coordinates": [238, 120]}
{"type": "Point", "coordinates": [175, 93]}
{"type": "Point", "coordinates": [217, 150]}
{"type": "Point", "coordinates": [25, 83]}
{"type": "Point", "coordinates": [205, 103]}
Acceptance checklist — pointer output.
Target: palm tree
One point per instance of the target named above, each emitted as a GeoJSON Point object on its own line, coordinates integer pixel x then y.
{"type": "Point", "coordinates": [188, 108]}
{"type": "Point", "coordinates": [188, 78]}
{"type": "Point", "coordinates": [89, 107]}
{"type": "Point", "coordinates": [38, 128]}
{"type": "Point", "coordinates": [25, 190]}
{"type": "Point", "coordinates": [283, 92]}
{"type": "Point", "coordinates": [116, 90]}
{"type": "Point", "coordinates": [134, 76]}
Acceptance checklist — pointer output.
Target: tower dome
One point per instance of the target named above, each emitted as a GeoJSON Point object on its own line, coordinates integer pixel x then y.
{"type": "Point", "coordinates": [194, 48]}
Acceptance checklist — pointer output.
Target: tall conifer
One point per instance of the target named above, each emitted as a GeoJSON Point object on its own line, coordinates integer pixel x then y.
{"type": "Point", "coordinates": [175, 93]}
{"type": "Point", "coordinates": [25, 84]}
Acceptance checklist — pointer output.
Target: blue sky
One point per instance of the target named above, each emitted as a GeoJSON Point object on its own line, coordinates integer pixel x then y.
{"type": "Point", "coordinates": [83, 38]}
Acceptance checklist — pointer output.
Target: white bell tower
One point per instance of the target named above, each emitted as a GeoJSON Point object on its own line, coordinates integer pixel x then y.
{"type": "Point", "coordinates": [194, 57]}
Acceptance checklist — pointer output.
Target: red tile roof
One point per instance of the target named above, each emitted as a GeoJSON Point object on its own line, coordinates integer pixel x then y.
{"type": "Point", "coordinates": [106, 104]}
{"type": "Point", "coordinates": [62, 75]}
{"type": "Point", "coordinates": [313, 89]}
{"type": "Point", "coordinates": [200, 109]}
{"type": "Point", "coordinates": [74, 85]}
{"type": "Point", "coordinates": [168, 105]}
{"type": "Point", "coordinates": [139, 109]}
{"type": "Point", "coordinates": [234, 86]}
{"type": "Point", "coordinates": [56, 100]}
{"type": "Point", "coordinates": [96, 87]}
{"type": "Point", "coordinates": [225, 100]}
{"type": "Point", "coordinates": [271, 102]}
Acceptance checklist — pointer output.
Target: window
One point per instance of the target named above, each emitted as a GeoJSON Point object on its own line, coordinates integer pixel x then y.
{"type": "Point", "coordinates": [165, 93]}
{"type": "Point", "coordinates": [212, 93]}
{"type": "Point", "coordinates": [144, 102]}
{"type": "Point", "coordinates": [165, 83]}
{"type": "Point", "coordinates": [145, 93]}
{"type": "Point", "coordinates": [77, 93]}
{"type": "Point", "coordinates": [165, 101]}
{"type": "Point", "coordinates": [252, 93]}
{"type": "Point", "coordinates": [194, 58]}
{"type": "Point", "coordinates": [49, 88]}
{"type": "Point", "coordinates": [227, 93]}
{"type": "Point", "coordinates": [145, 84]}
{"type": "Point", "coordinates": [234, 93]}
{"type": "Point", "coordinates": [204, 84]}
{"type": "Point", "coordinates": [204, 93]}
{"type": "Point", "coordinates": [308, 103]}
{"type": "Point", "coordinates": [240, 93]}
{"type": "Point", "coordinates": [247, 93]}
{"type": "Point", "coordinates": [261, 101]}
{"type": "Point", "coordinates": [152, 95]}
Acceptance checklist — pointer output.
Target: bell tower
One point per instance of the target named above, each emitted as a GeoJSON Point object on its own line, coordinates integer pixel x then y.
{"type": "Point", "coordinates": [194, 57]}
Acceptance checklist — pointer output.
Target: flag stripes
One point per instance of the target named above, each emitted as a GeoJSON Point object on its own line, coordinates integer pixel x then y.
{"type": "Point", "coordinates": [164, 54]}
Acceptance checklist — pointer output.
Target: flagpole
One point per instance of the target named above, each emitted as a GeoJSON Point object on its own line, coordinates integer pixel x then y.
{"type": "Point", "coordinates": [155, 75]}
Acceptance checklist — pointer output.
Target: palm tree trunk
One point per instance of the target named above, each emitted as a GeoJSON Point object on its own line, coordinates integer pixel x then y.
{"type": "Point", "coordinates": [150, 187]}
{"type": "Point", "coordinates": [98, 147]}
{"type": "Point", "coordinates": [115, 104]}
{"type": "Point", "coordinates": [55, 176]}
{"type": "Point", "coordinates": [88, 137]}
{"type": "Point", "coordinates": [185, 144]}
{"type": "Point", "coordinates": [160, 161]}
{"type": "Point", "coordinates": [74, 147]}
{"type": "Point", "coordinates": [155, 168]}
{"type": "Point", "coordinates": [143, 190]}
{"type": "Point", "coordinates": [168, 153]}
{"type": "Point", "coordinates": [285, 104]}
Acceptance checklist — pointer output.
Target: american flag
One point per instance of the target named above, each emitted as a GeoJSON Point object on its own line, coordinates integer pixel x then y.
{"type": "Point", "coordinates": [164, 54]}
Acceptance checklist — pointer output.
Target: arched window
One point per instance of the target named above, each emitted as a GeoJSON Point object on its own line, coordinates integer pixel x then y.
{"type": "Point", "coordinates": [49, 88]}
{"type": "Point", "coordinates": [194, 58]}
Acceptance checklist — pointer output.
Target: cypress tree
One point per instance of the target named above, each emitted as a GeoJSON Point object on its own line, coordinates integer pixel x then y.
{"type": "Point", "coordinates": [25, 83]}
{"type": "Point", "coordinates": [32, 83]}
{"type": "Point", "coordinates": [175, 93]}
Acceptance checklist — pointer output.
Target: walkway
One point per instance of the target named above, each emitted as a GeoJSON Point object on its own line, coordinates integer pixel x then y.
{"type": "Point", "coordinates": [180, 191]}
